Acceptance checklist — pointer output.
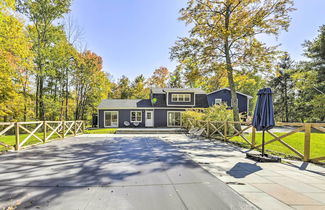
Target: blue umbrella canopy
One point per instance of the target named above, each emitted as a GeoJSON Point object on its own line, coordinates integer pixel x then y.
{"type": "Point", "coordinates": [264, 115]}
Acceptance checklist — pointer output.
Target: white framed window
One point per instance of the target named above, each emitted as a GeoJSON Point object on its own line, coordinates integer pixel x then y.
{"type": "Point", "coordinates": [218, 101]}
{"type": "Point", "coordinates": [136, 116]}
{"type": "Point", "coordinates": [110, 119]}
{"type": "Point", "coordinates": [181, 97]}
{"type": "Point", "coordinates": [174, 119]}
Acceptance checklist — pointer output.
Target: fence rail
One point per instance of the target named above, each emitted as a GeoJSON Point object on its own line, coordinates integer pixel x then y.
{"type": "Point", "coordinates": [226, 130]}
{"type": "Point", "coordinates": [41, 131]}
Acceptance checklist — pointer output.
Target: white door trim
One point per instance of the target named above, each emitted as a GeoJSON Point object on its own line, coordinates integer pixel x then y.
{"type": "Point", "coordinates": [168, 120]}
{"type": "Point", "coordinates": [117, 113]}
{"type": "Point", "coordinates": [152, 118]}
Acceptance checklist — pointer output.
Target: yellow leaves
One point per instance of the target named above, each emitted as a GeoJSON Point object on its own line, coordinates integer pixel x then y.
{"type": "Point", "coordinates": [7, 5]}
{"type": "Point", "coordinates": [15, 58]}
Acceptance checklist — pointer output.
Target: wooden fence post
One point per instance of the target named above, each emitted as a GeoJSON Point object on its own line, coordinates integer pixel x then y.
{"type": "Point", "coordinates": [75, 128]}
{"type": "Point", "coordinates": [63, 129]}
{"type": "Point", "coordinates": [208, 128]}
{"type": "Point", "coordinates": [83, 126]}
{"type": "Point", "coordinates": [17, 136]}
{"type": "Point", "coordinates": [307, 142]}
{"type": "Point", "coordinates": [225, 130]}
{"type": "Point", "coordinates": [44, 130]}
{"type": "Point", "coordinates": [253, 137]}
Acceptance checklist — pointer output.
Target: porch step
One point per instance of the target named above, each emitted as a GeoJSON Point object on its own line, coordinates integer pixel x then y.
{"type": "Point", "coordinates": [150, 130]}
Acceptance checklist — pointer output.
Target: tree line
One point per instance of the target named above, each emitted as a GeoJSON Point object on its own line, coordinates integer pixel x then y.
{"type": "Point", "coordinates": [44, 73]}
{"type": "Point", "coordinates": [47, 75]}
{"type": "Point", "coordinates": [223, 50]}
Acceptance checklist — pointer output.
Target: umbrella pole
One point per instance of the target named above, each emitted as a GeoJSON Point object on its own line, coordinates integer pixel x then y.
{"type": "Point", "coordinates": [263, 143]}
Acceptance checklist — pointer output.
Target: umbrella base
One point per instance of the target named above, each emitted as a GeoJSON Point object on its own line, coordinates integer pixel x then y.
{"type": "Point", "coordinates": [266, 158]}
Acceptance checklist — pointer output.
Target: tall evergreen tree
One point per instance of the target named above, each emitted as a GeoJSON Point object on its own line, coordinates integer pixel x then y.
{"type": "Point", "coordinates": [283, 92]}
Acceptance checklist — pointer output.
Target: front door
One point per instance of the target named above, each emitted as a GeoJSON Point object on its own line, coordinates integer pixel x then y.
{"type": "Point", "coordinates": [149, 118]}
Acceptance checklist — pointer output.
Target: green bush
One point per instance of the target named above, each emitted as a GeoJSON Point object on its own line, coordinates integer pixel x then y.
{"type": "Point", "coordinates": [214, 113]}
{"type": "Point", "coordinates": [218, 113]}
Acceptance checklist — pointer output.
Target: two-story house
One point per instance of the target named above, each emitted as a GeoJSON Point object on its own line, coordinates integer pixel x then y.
{"type": "Point", "coordinates": [163, 109]}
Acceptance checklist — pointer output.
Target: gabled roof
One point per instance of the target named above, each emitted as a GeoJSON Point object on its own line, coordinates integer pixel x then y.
{"type": "Point", "coordinates": [124, 103]}
{"type": "Point", "coordinates": [248, 96]}
{"type": "Point", "coordinates": [164, 90]}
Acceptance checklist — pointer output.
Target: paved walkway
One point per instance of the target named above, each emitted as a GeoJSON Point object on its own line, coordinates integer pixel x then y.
{"type": "Point", "coordinates": [292, 185]}
{"type": "Point", "coordinates": [113, 172]}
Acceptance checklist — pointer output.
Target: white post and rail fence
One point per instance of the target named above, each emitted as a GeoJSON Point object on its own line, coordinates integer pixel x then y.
{"type": "Point", "coordinates": [226, 131]}
{"type": "Point", "coordinates": [22, 133]}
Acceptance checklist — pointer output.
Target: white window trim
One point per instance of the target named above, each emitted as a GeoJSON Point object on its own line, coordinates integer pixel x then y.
{"type": "Point", "coordinates": [105, 120]}
{"type": "Point", "coordinates": [218, 101]}
{"type": "Point", "coordinates": [136, 116]}
{"type": "Point", "coordinates": [172, 125]}
{"type": "Point", "coordinates": [182, 96]}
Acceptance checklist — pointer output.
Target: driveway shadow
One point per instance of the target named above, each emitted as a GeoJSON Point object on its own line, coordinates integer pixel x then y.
{"type": "Point", "coordinates": [61, 167]}
{"type": "Point", "coordinates": [241, 170]}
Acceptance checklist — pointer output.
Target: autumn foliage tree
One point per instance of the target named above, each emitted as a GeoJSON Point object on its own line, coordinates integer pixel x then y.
{"type": "Point", "coordinates": [91, 84]}
{"type": "Point", "coordinates": [159, 78]}
{"type": "Point", "coordinates": [223, 36]}
{"type": "Point", "coordinates": [15, 63]}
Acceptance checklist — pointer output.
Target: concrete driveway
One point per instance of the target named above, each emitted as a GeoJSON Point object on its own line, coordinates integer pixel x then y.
{"type": "Point", "coordinates": [110, 173]}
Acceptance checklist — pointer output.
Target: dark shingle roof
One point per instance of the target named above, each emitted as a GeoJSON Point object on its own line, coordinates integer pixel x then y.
{"type": "Point", "coordinates": [164, 90]}
{"type": "Point", "coordinates": [248, 96]}
{"type": "Point", "coordinates": [124, 103]}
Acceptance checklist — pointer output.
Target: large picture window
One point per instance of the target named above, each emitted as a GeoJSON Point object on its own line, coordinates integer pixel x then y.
{"type": "Point", "coordinates": [181, 97]}
{"type": "Point", "coordinates": [174, 119]}
{"type": "Point", "coordinates": [111, 119]}
{"type": "Point", "coordinates": [136, 116]}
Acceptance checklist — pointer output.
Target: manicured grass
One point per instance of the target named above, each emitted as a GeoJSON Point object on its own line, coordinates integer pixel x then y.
{"type": "Point", "coordinates": [101, 131]}
{"type": "Point", "coordinates": [11, 139]}
{"type": "Point", "coordinates": [317, 143]}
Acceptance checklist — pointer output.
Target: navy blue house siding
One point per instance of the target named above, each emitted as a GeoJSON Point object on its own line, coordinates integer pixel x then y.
{"type": "Point", "coordinates": [199, 99]}
{"type": "Point", "coordinates": [160, 117]}
{"type": "Point", "coordinates": [161, 100]}
{"type": "Point", "coordinates": [225, 96]}
{"type": "Point", "coordinates": [123, 115]}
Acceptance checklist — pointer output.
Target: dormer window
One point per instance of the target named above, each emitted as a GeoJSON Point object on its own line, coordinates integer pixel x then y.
{"type": "Point", "coordinates": [181, 97]}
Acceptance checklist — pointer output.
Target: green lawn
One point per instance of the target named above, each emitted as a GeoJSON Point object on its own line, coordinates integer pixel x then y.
{"type": "Point", "coordinates": [101, 131]}
{"type": "Point", "coordinates": [317, 143]}
{"type": "Point", "coordinates": [11, 139]}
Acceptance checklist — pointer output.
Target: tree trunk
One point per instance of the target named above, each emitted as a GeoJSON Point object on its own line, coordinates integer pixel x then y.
{"type": "Point", "coordinates": [66, 94]}
{"type": "Point", "coordinates": [25, 102]}
{"type": "Point", "coordinates": [234, 100]}
{"type": "Point", "coordinates": [286, 99]}
{"type": "Point", "coordinates": [41, 102]}
{"type": "Point", "coordinates": [36, 97]}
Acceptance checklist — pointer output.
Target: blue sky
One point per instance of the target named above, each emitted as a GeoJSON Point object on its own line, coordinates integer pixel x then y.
{"type": "Point", "coordinates": [134, 36]}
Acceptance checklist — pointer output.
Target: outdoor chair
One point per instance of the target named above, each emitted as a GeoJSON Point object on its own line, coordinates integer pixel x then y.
{"type": "Point", "coordinates": [199, 132]}
{"type": "Point", "coordinates": [192, 131]}
{"type": "Point", "coordinates": [196, 132]}
{"type": "Point", "coordinates": [136, 124]}
{"type": "Point", "coordinates": [126, 123]}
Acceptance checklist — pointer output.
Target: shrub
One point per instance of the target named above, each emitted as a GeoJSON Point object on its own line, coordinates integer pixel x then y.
{"type": "Point", "coordinates": [196, 115]}
{"type": "Point", "coordinates": [218, 113]}
{"type": "Point", "coordinates": [214, 113]}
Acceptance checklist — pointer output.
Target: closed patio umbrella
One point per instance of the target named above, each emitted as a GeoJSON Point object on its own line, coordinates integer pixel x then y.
{"type": "Point", "coordinates": [263, 119]}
